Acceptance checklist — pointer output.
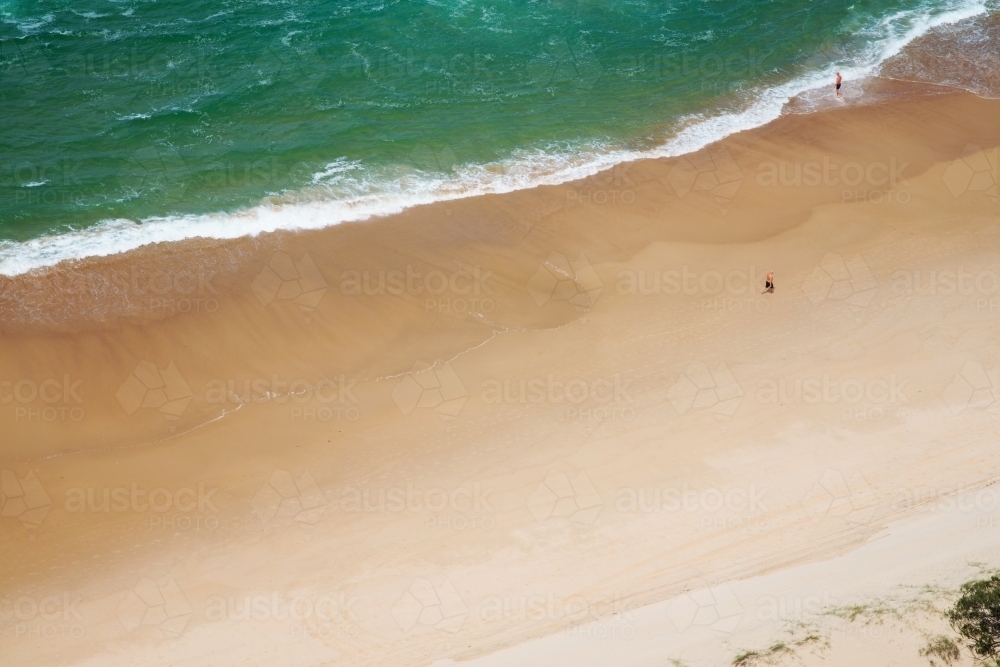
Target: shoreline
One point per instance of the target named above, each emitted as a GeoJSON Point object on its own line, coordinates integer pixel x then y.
{"type": "Point", "coordinates": [312, 209]}
{"type": "Point", "coordinates": [365, 361]}
{"type": "Point", "coordinates": [302, 211]}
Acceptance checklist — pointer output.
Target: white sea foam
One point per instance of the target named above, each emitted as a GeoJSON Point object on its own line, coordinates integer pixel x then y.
{"type": "Point", "coordinates": [29, 25]}
{"type": "Point", "coordinates": [133, 116]}
{"type": "Point", "coordinates": [344, 192]}
{"type": "Point", "coordinates": [89, 15]}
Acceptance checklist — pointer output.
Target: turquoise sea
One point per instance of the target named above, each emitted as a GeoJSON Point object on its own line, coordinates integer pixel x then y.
{"type": "Point", "coordinates": [131, 121]}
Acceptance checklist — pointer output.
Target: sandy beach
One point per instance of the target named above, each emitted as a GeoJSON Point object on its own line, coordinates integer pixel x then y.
{"type": "Point", "coordinates": [556, 422]}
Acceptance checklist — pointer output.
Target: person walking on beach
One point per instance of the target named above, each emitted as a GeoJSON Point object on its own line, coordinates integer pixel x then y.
{"type": "Point", "coordinates": [839, 79]}
{"type": "Point", "coordinates": [769, 283]}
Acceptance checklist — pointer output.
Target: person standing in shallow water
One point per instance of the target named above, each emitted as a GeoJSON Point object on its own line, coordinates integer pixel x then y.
{"type": "Point", "coordinates": [839, 79]}
{"type": "Point", "coordinates": [768, 283]}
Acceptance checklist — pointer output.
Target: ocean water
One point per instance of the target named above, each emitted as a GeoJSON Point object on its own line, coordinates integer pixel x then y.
{"type": "Point", "coordinates": [126, 122]}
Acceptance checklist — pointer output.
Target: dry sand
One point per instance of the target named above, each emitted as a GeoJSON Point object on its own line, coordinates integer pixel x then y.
{"type": "Point", "coordinates": [316, 448]}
